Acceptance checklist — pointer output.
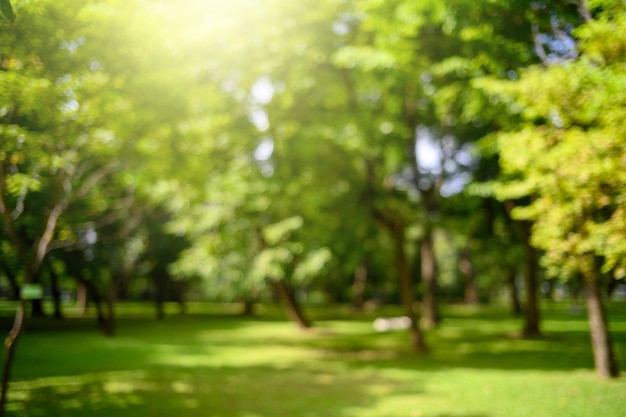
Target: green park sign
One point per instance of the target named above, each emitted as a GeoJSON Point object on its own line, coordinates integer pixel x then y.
{"type": "Point", "coordinates": [32, 291]}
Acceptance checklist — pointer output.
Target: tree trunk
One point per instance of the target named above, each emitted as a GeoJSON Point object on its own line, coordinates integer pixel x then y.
{"type": "Point", "coordinates": [292, 306]}
{"type": "Point", "coordinates": [395, 226]}
{"type": "Point", "coordinates": [430, 313]}
{"type": "Point", "coordinates": [81, 298]}
{"type": "Point", "coordinates": [358, 287]}
{"type": "Point", "coordinates": [248, 307]}
{"type": "Point", "coordinates": [467, 271]}
{"type": "Point", "coordinates": [37, 308]}
{"type": "Point", "coordinates": [31, 266]}
{"type": "Point", "coordinates": [56, 293]}
{"type": "Point", "coordinates": [108, 317]}
{"type": "Point", "coordinates": [159, 308]}
{"type": "Point", "coordinates": [406, 290]}
{"type": "Point", "coordinates": [603, 355]}
{"type": "Point", "coordinates": [516, 307]}
{"type": "Point", "coordinates": [9, 352]}
{"type": "Point", "coordinates": [15, 288]}
{"type": "Point", "coordinates": [85, 288]}
{"type": "Point", "coordinates": [179, 290]}
{"type": "Point", "coordinates": [531, 312]}
{"type": "Point", "coordinates": [613, 284]}
{"type": "Point", "coordinates": [36, 305]}
{"type": "Point", "coordinates": [160, 293]}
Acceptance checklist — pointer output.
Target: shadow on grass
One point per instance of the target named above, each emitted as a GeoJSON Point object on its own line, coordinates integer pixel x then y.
{"type": "Point", "coordinates": [263, 391]}
{"type": "Point", "coordinates": [472, 349]}
{"type": "Point", "coordinates": [227, 365]}
{"type": "Point", "coordinates": [202, 366]}
{"type": "Point", "coordinates": [472, 340]}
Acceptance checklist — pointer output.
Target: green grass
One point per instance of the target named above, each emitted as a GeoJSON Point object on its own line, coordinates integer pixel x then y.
{"type": "Point", "coordinates": [213, 363]}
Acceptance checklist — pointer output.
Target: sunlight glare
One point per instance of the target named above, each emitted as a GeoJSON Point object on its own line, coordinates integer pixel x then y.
{"type": "Point", "coordinates": [264, 151]}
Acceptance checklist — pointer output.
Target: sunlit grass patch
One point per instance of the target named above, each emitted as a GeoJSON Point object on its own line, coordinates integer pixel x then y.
{"type": "Point", "coordinates": [212, 364]}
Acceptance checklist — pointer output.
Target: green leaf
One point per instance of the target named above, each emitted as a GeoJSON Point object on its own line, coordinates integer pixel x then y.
{"type": "Point", "coordinates": [7, 10]}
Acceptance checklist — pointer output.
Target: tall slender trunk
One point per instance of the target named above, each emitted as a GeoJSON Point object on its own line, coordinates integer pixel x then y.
{"type": "Point", "coordinates": [430, 311]}
{"type": "Point", "coordinates": [36, 305]}
{"type": "Point", "coordinates": [396, 228]}
{"type": "Point", "coordinates": [56, 293]}
{"type": "Point", "coordinates": [179, 292]}
{"type": "Point", "coordinates": [406, 290]}
{"type": "Point", "coordinates": [110, 299]}
{"type": "Point", "coordinates": [516, 306]}
{"type": "Point", "coordinates": [467, 271]}
{"type": "Point", "coordinates": [81, 298]}
{"type": "Point", "coordinates": [358, 287]}
{"type": "Point", "coordinates": [531, 312]}
{"type": "Point", "coordinates": [612, 286]}
{"type": "Point", "coordinates": [248, 307]}
{"type": "Point", "coordinates": [86, 288]}
{"type": "Point", "coordinates": [160, 294]}
{"type": "Point", "coordinates": [292, 306]}
{"type": "Point", "coordinates": [9, 352]}
{"type": "Point", "coordinates": [15, 288]}
{"type": "Point", "coordinates": [36, 309]}
{"type": "Point", "coordinates": [603, 354]}
{"type": "Point", "coordinates": [20, 313]}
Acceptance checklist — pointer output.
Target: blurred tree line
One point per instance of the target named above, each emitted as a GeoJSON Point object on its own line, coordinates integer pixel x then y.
{"type": "Point", "coordinates": [349, 151]}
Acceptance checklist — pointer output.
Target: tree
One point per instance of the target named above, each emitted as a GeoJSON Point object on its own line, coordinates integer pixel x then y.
{"type": "Point", "coordinates": [67, 139]}
{"type": "Point", "coordinates": [410, 70]}
{"type": "Point", "coordinates": [286, 164]}
{"type": "Point", "coordinates": [570, 168]}
{"type": "Point", "coordinates": [7, 10]}
{"type": "Point", "coordinates": [46, 164]}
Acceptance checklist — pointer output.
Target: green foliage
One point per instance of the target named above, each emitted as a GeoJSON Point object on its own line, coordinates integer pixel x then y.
{"type": "Point", "coordinates": [269, 132]}
{"type": "Point", "coordinates": [568, 156]}
{"type": "Point", "coordinates": [280, 231]}
{"type": "Point", "coordinates": [7, 10]}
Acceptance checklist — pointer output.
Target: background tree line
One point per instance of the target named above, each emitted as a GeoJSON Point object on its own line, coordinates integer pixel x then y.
{"type": "Point", "coordinates": [396, 151]}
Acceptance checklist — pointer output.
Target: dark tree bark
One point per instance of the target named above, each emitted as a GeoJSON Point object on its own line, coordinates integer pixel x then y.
{"type": "Point", "coordinates": [248, 307]}
{"type": "Point", "coordinates": [81, 298]}
{"type": "Point", "coordinates": [531, 326]}
{"type": "Point", "coordinates": [358, 287]}
{"type": "Point", "coordinates": [286, 294]}
{"type": "Point", "coordinates": [531, 310]}
{"type": "Point", "coordinates": [516, 306]}
{"type": "Point", "coordinates": [88, 289]}
{"type": "Point", "coordinates": [160, 283]}
{"type": "Point", "coordinates": [108, 325]}
{"type": "Point", "coordinates": [292, 307]}
{"type": "Point", "coordinates": [467, 271]}
{"type": "Point", "coordinates": [612, 286]}
{"type": "Point", "coordinates": [179, 291]}
{"type": "Point", "coordinates": [36, 309]}
{"type": "Point", "coordinates": [56, 292]}
{"type": "Point", "coordinates": [36, 305]}
{"type": "Point", "coordinates": [394, 225]}
{"type": "Point", "coordinates": [406, 290]}
{"type": "Point", "coordinates": [32, 258]}
{"type": "Point", "coordinates": [15, 288]}
{"type": "Point", "coordinates": [603, 354]}
{"type": "Point", "coordinates": [9, 352]}
{"type": "Point", "coordinates": [430, 311]}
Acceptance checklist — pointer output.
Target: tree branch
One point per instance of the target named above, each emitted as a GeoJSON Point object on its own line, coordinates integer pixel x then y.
{"type": "Point", "coordinates": [541, 53]}
{"type": "Point", "coordinates": [8, 222]}
{"type": "Point", "coordinates": [94, 178]}
{"type": "Point", "coordinates": [583, 11]}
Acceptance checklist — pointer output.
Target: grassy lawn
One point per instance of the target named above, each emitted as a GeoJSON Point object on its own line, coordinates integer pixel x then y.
{"type": "Point", "coordinates": [214, 363]}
